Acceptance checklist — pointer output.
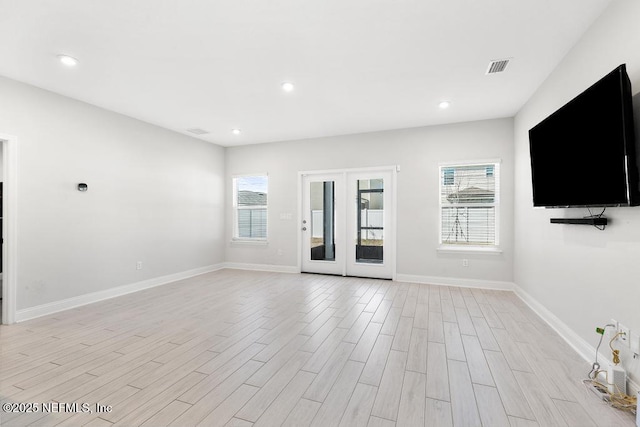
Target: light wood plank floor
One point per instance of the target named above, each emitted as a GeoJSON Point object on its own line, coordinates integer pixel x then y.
{"type": "Point", "coordinates": [237, 348]}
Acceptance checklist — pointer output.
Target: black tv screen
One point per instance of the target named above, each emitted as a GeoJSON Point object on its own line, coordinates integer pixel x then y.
{"type": "Point", "coordinates": [584, 154]}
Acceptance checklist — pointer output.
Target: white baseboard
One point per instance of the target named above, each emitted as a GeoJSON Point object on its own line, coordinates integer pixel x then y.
{"type": "Point", "coordinates": [66, 304]}
{"type": "Point", "coordinates": [580, 345]}
{"type": "Point", "coordinates": [452, 281]}
{"type": "Point", "coordinates": [262, 267]}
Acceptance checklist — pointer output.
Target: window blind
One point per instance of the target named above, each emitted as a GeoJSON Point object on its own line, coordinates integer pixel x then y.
{"type": "Point", "coordinates": [252, 223]}
{"type": "Point", "coordinates": [250, 202]}
{"type": "Point", "coordinates": [469, 198]}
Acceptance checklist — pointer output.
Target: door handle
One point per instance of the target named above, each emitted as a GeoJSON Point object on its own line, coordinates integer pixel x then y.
{"type": "Point", "coordinates": [304, 228]}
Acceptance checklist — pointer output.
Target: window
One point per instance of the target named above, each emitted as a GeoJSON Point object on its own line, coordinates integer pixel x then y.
{"type": "Point", "coordinates": [250, 207]}
{"type": "Point", "coordinates": [469, 198]}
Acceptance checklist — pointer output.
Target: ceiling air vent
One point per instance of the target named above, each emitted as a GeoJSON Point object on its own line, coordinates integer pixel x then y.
{"type": "Point", "coordinates": [497, 66]}
{"type": "Point", "coordinates": [197, 131]}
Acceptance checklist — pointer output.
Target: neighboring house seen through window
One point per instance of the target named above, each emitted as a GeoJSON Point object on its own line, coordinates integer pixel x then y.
{"type": "Point", "coordinates": [469, 198]}
{"type": "Point", "coordinates": [250, 207]}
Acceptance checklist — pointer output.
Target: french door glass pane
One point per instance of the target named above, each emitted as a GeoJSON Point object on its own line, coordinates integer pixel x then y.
{"type": "Point", "coordinates": [370, 226]}
{"type": "Point", "coordinates": [322, 221]}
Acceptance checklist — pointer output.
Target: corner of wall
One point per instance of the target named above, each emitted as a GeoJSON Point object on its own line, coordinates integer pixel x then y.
{"type": "Point", "coordinates": [581, 346]}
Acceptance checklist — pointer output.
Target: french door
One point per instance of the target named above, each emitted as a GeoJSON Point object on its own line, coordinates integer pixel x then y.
{"type": "Point", "coordinates": [347, 223]}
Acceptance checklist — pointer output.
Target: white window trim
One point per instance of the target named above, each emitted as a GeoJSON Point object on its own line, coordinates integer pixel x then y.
{"type": "Point", "coordinates": [461, 249]}
{"type": "Point", "coordinates": [249, 241]}
{"type": "Point", "coordinates": [488, 249]}
{"type": "Point", "coordinates": [470, 162]}
{"type": "Point", "coordinates": [234, 236]}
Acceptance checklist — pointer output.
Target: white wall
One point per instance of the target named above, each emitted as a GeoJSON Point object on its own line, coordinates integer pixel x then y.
{"type": "Point", "coordinates": [583, 276]}
{"type": "Point", "coordinates": [154, 196]}
{"type": "Point", "coordinates": [418, 152]}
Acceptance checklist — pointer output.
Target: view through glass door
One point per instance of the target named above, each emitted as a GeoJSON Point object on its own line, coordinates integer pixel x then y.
{"type": "Point", "coordinates": [347, 223]}
{"type": "Point", "coordinates": [323, 196]}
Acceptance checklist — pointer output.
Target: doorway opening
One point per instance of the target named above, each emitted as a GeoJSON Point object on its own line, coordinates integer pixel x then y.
{"type": "Point", "coordinates": [8, 202]}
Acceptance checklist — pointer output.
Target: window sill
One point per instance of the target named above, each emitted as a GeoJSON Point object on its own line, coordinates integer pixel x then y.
{"type": "Point", "coordinates": [256, 242]}
{"type": "Point", "coordinates": [492, 250]}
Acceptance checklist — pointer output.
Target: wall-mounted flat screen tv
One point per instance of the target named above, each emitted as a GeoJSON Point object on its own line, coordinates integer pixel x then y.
{"type": "Point", "coordinates": [584, 154]}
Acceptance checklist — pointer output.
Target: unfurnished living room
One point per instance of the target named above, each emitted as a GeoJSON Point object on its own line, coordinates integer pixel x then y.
{"type": "Point", "coordinates": [319, 213]}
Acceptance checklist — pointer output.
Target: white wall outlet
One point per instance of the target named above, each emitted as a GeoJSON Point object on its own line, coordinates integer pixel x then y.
{"type": "Point", "coordinates": [624, 336]}
{"type": "Point", "coordinates": [634, 343]}
{"type": "Point", "coordinates": [611, 332]}
{"type": "Point", "coordinates": [465, 262]}
{"type": "Point", "coordinates": [139, 265]}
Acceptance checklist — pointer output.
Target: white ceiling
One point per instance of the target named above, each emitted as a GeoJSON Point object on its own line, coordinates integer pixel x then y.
{"type": "Point", "coordinates": [358, 65]}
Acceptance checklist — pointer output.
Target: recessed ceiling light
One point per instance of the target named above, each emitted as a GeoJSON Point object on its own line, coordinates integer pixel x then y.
{"type": "Point", "coordinates": [444, 105]}
{"type": "Point", "coordinates": [236, 131]}
{"type": "Point", "coordinates": [287, 86]}
{"type": "Point", "coordinates": [67, 60]}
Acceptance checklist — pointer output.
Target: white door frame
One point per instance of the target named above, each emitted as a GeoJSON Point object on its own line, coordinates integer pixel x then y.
{"type": "Point", "coordinates": [10, 228]}
{"type": "Point", "coordinates": [394, 169]}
